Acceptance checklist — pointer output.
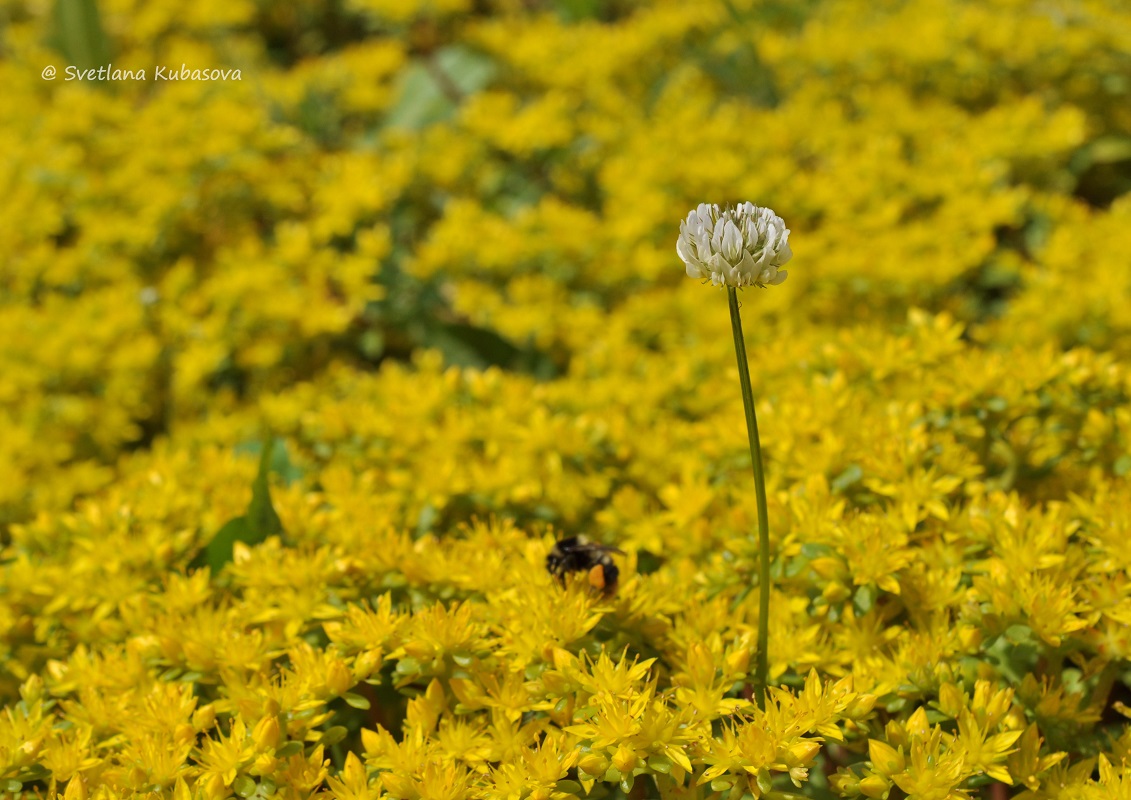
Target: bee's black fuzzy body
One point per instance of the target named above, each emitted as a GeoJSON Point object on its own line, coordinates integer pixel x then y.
{"type": "Point", "coordinates": [578, 554]}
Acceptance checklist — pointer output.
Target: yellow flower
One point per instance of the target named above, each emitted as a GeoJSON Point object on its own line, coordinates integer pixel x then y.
{"type": "Point", "coordinates": [223, 757]}
{"type": "Point", "coordinates": [353, 782]}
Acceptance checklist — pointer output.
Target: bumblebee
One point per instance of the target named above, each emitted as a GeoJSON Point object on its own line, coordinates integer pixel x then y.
{"type": "Point", "coordinates": [578, 554]}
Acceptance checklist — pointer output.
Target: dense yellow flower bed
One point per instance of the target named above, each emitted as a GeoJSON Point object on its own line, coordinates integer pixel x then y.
{"type": "Point", "coordinates": [425, 250]}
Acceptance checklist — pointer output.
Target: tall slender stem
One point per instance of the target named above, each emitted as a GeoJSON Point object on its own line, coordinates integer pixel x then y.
{"type": "Point", "coordinates": [760, 490]}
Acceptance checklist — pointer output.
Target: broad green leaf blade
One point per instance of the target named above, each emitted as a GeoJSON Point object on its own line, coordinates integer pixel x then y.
{"type": "Point", "coordinates": [79, 35]}
{"type": "Point", "coordinates": [219, 550]}
{"type": "Point", "coordinates": [262, 520]}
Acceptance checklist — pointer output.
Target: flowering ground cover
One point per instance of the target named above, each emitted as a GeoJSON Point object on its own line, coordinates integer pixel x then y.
{"type": "Point", "coordinates": [304, 372]}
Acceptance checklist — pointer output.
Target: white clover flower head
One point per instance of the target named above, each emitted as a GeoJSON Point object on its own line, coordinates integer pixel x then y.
{"type": "Point", "coordinates": [741, 246]}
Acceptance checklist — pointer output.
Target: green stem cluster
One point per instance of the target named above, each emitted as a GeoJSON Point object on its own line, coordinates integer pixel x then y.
{"type": "Point", "coordinates": [762, 667]}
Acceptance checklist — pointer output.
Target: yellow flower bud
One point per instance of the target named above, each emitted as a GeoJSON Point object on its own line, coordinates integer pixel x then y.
{"type": "Point", "coordinates": [1015, 720]}
{"type": "Point", "coordinates": [971, 637]}
{"type": "Point", "coordinates": [624, 759]}
{"type": "Point", "coordinates": [845, 783]}
{"type": "Point", "coordinates": [917, 724]}
{"type": "Point", "coordinates": [804, 752]}
{"type": "Point", "coordinates": [836, 592]}
{"type": "Point", "coordinates": [338, 678]}
{"type": "Point", "coordinates": [32, 747]}
{"type": "Point", "coordinates": [950, 699]}
{"type": "Point", "coordinates": [593, 764]}
{"type": "Point", "coordinates": [266, 733]}
{"type": "Point", "coordinates": [738, 661]}
{"type": "Point", "coordinates": [184, 733]}
{"type": "Point", "coordinates": [265, 764]}
{"type": "Point", "coordinates": [397, 785]}
{"type": "Point", "coordinates": [827, 568]}
{"type": "Point", "coordinates": [885, 759]}
{"type": "Point", "coordinates": [421, 651]}
{"type": "Point", "coordinates": [76, 789]}
{"type": "Point", "coordinates": [874, 786]}
{"type": "Point", "coordinates": [32, 690]}
{"type": "Point", "coordinates": [366, 664]}
{"type": "Point", "coordinates": [216, 787]}
{"type": "Point", "coordinates": [354, 772]}
{"type": "Point", "coordinates": [204, 718]}
{"type": "Point", "coordinates": [860, 707]}
{"type": "Point", "coordinates": [561, 657]}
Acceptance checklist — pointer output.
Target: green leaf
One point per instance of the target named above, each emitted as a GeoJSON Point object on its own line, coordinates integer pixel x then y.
{"type": "Point", "coordinates": [372, 344]}
{"type": "Point", "coordinates": [430, 88]}
{"type": "Point", "coordinates": [997, 404]}
{"type": "Point", "coordinates": [864, 598]}
{"type": "Point", "coordinates": [420, 100]}
{"type": "Point", "coordinates": [426, 519]}
{"type": "Point", "coordinates": [78, 34]}
{"type": "Point", "coordinates": [1013, 661]}
{"type": "Point", "coordinates": [219, 550]}
{"type": "Point", "coordinates": [765, 780]}
{"type": "Point", "coordinates": [588, 712]}
{"type": "Point", "coordinates": [743, 593]}
{"type": "Point", "coordinates": [738, 68]}
{"type": "Point", "coordinates": [812, 550]}
{"type": "Point", "coordinates": [282, 465]}
{"type": "Point", "coordinates": [261, 517]}
{"type": "Point", "coordinates": [34, 772]}
{"type": "Point", "coordinates": [574, 11]}
{"type": "Point", "coordinates": [1122, 465]}
{"type": "Point", "coordinates": [255, 526]}
{"type": "Point", "coordinates": [334, 735]}
{"type": "Point", "coordinates": [244, 786]}
{"type": "Point", "coordinates": [852, 474]}
{"type": "Point", "coordinates": [408, 666]}
{"type": "Point", "coordinates": [288, 750]}
{"type": "Point", "coordinates": [469, 346]}
{"type": "Point", "coordinates": [356, 701]}
{"type": "Point", "coordinates": [13, 786]}
{"type": "Point", "coordinates": [1103, 150]}
{"type": "Point", "coordinates": [1019, 634]}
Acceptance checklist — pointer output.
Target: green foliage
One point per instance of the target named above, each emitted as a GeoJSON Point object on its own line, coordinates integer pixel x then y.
{"type": "Point", "coordinates": [78, 34]}
{"type": "Point", "coordinates": [260, 520]}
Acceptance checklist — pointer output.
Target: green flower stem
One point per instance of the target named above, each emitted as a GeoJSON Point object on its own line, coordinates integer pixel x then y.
{"type": "Point", "coordinates": [760, 489]}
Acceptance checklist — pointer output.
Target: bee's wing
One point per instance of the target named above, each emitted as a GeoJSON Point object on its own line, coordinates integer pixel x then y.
{"type": "Point", "coordinates": [578, 547]}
